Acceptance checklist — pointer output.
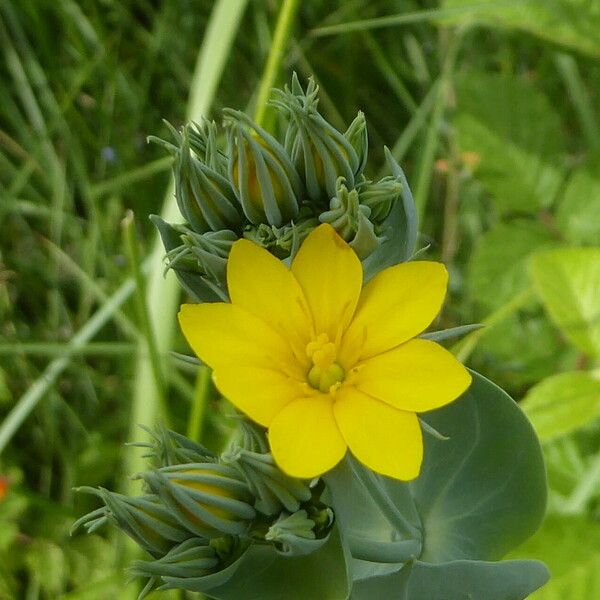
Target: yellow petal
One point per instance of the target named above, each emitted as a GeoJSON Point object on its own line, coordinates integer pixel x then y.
{"type": "Point", "coordinates": [330, 275]}
{"type": "Point", "coordinates": [304, 438]}
{"type": "Point", "coordinates": [387, 440]}
{"type": "Point", "coordinates": [265, 287]}
{"type": "Point", "coordinates": [224, 335]}
{"type": "Point", "coordinates": [260, 393]}
{"type": "Point", "coordinates": [417, 376]}
{"type": "Point", "coordinates": [395, 306]}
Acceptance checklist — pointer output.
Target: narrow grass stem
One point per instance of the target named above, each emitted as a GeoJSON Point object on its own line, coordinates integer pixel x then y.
{"type": "Point", "coordinates": [201, 396]}
{"type": "Point", "coordinates": [283, 30]}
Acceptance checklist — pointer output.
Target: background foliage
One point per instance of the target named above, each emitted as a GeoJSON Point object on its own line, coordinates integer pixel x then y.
{"type": "Point", "coordinates": [491, 107]}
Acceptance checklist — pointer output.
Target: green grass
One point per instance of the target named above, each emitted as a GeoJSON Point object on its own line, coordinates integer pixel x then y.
{"type": "Point", "coordinates": [86, 341]}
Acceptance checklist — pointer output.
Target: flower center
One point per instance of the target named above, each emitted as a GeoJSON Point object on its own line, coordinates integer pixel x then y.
{"type": "Point", "coordinates": [325, 374]}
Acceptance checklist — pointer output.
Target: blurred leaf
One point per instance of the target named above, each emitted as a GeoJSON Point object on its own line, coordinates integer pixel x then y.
{"type": "Point", "coordinates": [568, 282]}
{"type": "Point", "coordinates": [458, 580]}
{"type": "Point", "coordinates": [562, 403]}
{"type": "Point", "coordinates": [578, 214]}
{"type": "Point", "coordinates": [571, 548]}
{"type": "Point", "coordinates": [498, 269]}
{"type": "Point", "coordinates": [517, 135]}
{"type": "Point", "coordinates": [572, 23]}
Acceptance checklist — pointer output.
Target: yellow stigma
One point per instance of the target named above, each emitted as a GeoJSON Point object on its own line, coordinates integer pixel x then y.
{"type": "Point", "coordinates": [325, 373]}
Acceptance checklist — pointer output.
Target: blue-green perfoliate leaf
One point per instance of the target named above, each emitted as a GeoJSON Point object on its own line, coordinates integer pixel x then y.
{"type": "Point", "coordinates": [319, 151]}
{"type": "Point", "coordinates": [263, 177]}
{"type": "Point", "coordinates": [351, 220]}
{"type": "Point", "coordinates": [207, 499]}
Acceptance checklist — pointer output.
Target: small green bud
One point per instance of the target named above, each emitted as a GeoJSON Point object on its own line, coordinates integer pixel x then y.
{"type": "Point", "coordinates": [262, 174]}
{"type": "Point", "coordinates": [281, 241]}
{"type": "Point", "coordinates": [357, 135]}
{"type": "Point", "coordinates": [205, 198]}
{"type": "Point", "coordinates": [380, 197]}
{"type": "Point", "coordinates": [209, 499]}
{"type": "Point", "coordinates": [274, 490]}
{"type": "Point", "coordinates": [168, 448]}
{"type": "Point", "coordinates": [319, 151]}
{"type": "Point", "coordinates": [351, 220]}
{"type": "Point", "coordinates": [190, 559]}
{"type": "Point", "coordinates": [144, 519]}
{"type": "Point", "coordinates": [296, 534]}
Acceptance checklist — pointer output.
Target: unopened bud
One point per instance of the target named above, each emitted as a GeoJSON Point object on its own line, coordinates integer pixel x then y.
{"type": "Point", "coordinates": [262, 174]}
{"type": "Point", "coordinates": [380, 197]}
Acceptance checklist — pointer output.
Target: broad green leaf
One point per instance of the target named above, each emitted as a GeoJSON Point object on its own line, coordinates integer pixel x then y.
{"type": "Point", "coordinates": [572, 23]}
{"type": "Point", "coordinates": [480, 493]}
{"type": "Point", "coordinates": [517, 136]}
{"type": "Point", "coordinates": [262, 573]}
{"type": "Point", "coordinates": [562, 403]}
{"type": "Point", "coordinates": [571, 548]}
{"type": "Point", "coordinates": [498, 269]}
{"type": "Point", "coordinates": [568, 282]}
{"type": "Point", "coordinates": [457, 580]}
{"type": "Point", "coordinates": [484, 491]}
{"type": "Point", "coordinates": [578, 214]}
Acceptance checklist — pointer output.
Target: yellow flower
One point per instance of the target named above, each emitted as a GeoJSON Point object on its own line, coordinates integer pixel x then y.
{"type": "Point", "coordinates": [325, 363]}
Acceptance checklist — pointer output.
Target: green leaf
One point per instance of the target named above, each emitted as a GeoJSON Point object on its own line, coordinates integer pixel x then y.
{"type": "Point", "coordinates": [571, 548]}
{"type": "Point", "coordinates": [568, 282]}
{"type": "Point", "coordinates": [261, 572]}
{"type": "Point", "coordinates": [578, 214]}
{"type": "Point", "coordinates": [458, 580]}
{"type": "Point", "coordinates": [484, 491]}
{"type": "Point", "coordinates": [571, 23]}
{"type": "Point", "coordinates": [517, 135]}
{"type": "Point", "coordinates": [562, 403]}
{"type": "Point", "coordinates": [498, 269]}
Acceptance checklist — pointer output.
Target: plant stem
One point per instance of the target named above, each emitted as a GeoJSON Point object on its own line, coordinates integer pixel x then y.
{"type": "Point", "coordinates": [283, 30]}
{"type": "Point", "coordinates": [201, 395]}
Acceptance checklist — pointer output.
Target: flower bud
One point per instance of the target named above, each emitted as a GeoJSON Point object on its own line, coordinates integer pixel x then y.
{"type": "Point", "coordinates": [209, 499]}
{"type": "Point", "coordinates": [319, 151]}
{"type": "Point", "coordinates": [144, 519]}
{"type": "Point", "coordinates": [205, 198]}
{"type": "Point", "coordinates": [262, 174]}
{"type": "Point", "coordinates": [356, 134]}
{"type": "Point", "coordinates": [203, 141]}
{"type": "Point", "coordinates": [281, 241]}
{"type": "Point", "coordinates": [351, 220]}
{"type": "Point", "coordinates": [380, 197]}
{"type": "Point", "coordinates": [298, 534]}
{"type": "Point", "coordinates": [274, 490]}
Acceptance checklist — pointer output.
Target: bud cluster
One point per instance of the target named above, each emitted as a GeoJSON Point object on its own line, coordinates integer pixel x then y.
{"type": "Point", "coordinates": [272, 191]}
{"type": "Point", "coordinates": [201, 512]}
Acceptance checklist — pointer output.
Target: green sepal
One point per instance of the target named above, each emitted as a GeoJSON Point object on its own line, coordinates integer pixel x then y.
{"type": "Point", "coordinates": [262, 175]}
{"type": "Point", "coordinates": [191, 558]}
{"type": "Point", "coordinates": [358, 137]}
{"type": "Point", "coordinates": [351, 220]}
{"type": "Point", "coordinates": [208, 499]}
{"type": "Point", "coordinates": [274, 490]}
{"type": "Point", "coordinates": [144, 519]}
{"type": "Point", "coordinates": [318, 150]}
{"type": "Point", "coordinates": [205, 198]}
{"type": "Point", "coordinates": [203, 141]}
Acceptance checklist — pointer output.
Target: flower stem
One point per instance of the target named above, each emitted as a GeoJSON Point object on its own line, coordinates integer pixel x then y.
{"type": "Point", "coordinates": [283, 31]}
{"type": "Point", "coordinates": [201, 395]}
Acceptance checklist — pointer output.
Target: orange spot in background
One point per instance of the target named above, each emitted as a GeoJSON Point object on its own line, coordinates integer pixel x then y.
{"type": "Point", "coordinates": [3, 486]}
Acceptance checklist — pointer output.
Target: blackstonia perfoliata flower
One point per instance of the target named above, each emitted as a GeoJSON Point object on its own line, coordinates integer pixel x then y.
{"type": "Point", "coordinates": [323, 362]}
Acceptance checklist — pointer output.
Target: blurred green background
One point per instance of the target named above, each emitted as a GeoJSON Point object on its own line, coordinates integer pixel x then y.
{"type": "Point", "coordinates": [492, 108]}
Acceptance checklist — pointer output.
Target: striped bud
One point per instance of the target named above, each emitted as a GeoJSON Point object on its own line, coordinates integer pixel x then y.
{"type": "Point", "coordinates": [262, 174]}
{"type": "Point", "coordinates": [208, 499]}
{"type": "Point", "coordinates": [351, 220]}
{"type": "Point", "coordinates": [144, 519]}
{"type": "Point", "coordinates": [274, 490]}
{"type": "Point", "coordinates": [319, 151]}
